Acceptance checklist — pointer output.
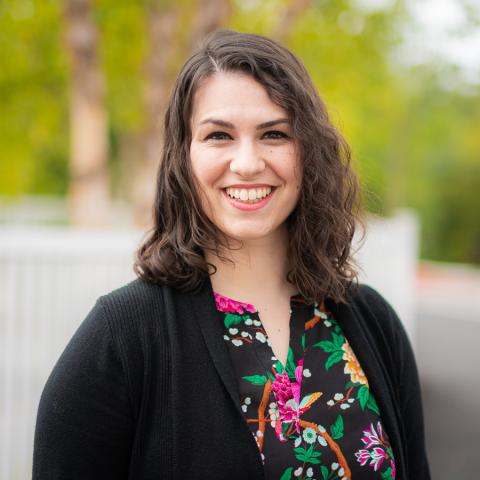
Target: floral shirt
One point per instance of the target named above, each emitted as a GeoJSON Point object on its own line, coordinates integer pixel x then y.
{"type": "Point", "coordinates": [314, 417]}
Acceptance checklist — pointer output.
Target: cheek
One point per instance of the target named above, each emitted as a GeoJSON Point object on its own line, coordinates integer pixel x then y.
{"type": "Point", "coordinates": [206, 167]}
{"type": "Point", "coordinates": [298, 174]}
{"type": "Point", "coordinates": [291, 169]}
{"type": "Point", "coordinates": [195, 161]}
{"type": "Point", "coordinates": [297, 169]}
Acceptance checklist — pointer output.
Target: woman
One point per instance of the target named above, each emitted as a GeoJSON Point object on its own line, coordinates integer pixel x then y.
{"type": "Point", "coordinates": [245, 349]}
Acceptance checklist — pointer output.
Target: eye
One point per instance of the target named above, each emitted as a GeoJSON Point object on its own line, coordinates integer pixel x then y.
{"type": "Point", "coordinates": [276, 134]}
{"type": "Point", "coordinates": [217, 136]}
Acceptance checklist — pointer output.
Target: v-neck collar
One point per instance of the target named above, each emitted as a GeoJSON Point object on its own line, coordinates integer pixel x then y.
{"type": "Point", "coordinates": [210, 322]}
{"type": "Point", "coordinates": [227, 305]}
{"type": "Point", "coordinates": [349, 318]}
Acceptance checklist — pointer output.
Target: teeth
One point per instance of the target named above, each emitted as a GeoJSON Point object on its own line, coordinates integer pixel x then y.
{"type": "Point", "coordinates": [248, 194]}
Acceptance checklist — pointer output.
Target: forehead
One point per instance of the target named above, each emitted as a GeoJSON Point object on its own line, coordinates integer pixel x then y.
{"type": "Point", "coordinates": [233, 95]}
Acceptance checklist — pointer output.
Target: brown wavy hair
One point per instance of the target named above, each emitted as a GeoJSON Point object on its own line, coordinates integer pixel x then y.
{"type": "Point", "coordinates": [322, 225]}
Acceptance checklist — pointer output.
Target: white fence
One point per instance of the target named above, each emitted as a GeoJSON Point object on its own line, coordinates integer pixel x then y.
{"type": "Point", "coordinates": [50, 279]}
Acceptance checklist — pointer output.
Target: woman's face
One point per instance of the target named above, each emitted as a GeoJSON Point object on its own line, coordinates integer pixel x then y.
{"type": "Point", "coordinates": [243, 156]}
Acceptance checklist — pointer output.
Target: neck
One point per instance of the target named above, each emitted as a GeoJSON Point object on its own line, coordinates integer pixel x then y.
{"type": "Point", "coordinates": [259, 269]}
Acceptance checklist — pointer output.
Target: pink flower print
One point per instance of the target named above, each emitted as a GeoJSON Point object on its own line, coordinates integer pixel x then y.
{"type": "Point", "coordinates": [287, 396]}
{"type": "Point", "coordinates": [377, 449]}
{"type": "Point", "coordinates": [394, 471]}
{"type": "Point", "coordinates": [285, 390]}
{"type": "Point", "coordinates": [363, 456]}
{"type": "Point", "coordinates": [371, 437]}
{"type": "Point", "coordinates": [228, 305]}
{"type": "Point", "coordinates": [299, 371]}
{"type": "Point", "coordinates": [377, 456]}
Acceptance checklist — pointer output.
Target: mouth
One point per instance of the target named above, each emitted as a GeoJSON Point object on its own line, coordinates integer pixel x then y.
{"type": "Point", "coordinates": [249, 196]}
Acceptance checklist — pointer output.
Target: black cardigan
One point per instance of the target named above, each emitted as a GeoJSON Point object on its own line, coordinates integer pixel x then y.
{"type": "Point", "coordinates": [140, 393]}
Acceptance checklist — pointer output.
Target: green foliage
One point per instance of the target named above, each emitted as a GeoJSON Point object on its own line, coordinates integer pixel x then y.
{"type": "Point", "coordinates": [337, 429]}
{"type": "Point", "coordinates": [387, 474]}
{"type": "Point", "coordinates": [372, 404]}
{"type": "Point", "coordinates": [123, 28]}
{"type": "Point", "coordinates": [232, 319]}
{"type": "Point", "coordinates": [414, 140]}
{"type": "Point", "coordinates": [287, 474]}
{"type": "Point", "coordinates": [334, 348]}
{"type": "Point", "coordinates": [363, 394]}
{"type": "Point", "coordinates": [290, 366]}
{"type": "Point", "coordinates": [307, 456]}
{"type": "Point", "coordinates": [256, 379]}
{"type": "Point", "coordinates": [324, 471]}
{"type": "Point", "coordinates": [34, 90]}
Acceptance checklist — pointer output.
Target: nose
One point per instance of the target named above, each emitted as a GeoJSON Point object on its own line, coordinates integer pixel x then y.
{"type": "Point", "coordinates": [247, 161]}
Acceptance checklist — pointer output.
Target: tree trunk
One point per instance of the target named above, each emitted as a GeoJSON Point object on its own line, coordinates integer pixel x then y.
{"type": "Point", "coordinates": [211, 15]}
{"type": "Point", "coordinates": [164, 47]}
{"type": "Point", "coordinates": [288, 17]}
{"type": "Point", "coordinates": [89, 179]}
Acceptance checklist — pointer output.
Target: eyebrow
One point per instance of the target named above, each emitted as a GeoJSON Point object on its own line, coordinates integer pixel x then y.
{"type": "Point", "coordinates": [261, 126]}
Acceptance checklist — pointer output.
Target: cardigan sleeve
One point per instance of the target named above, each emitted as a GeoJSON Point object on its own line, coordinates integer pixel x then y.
{"type": "Point", "coordinates": [410, 399]}
{"type": "Point", "coordinates": [84, 423]}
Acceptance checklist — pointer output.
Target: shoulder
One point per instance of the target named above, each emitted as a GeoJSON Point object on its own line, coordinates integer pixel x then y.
{"type": "Point", "coordinates": [364, 296]}
{"type": "Point", "coordinates": [372, 314]}
{"type": "Point", "coordinates": [372, 308]}
{"type": "Point", "coordinates": [130, 318]}
{"type": "Point", "coordinates": [133, 304]}
{"type": "Point", "coordinates": [133, 295]}
{"type": "Point", "coordinates": [119, 317]}
{"type": "Point", "coordinates": [381, 325]}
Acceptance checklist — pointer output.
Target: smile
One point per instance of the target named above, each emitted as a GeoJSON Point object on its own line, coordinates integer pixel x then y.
{"type": "Point", "coordinates": [248, 199]}
{"type": "Point", "coordinates": [249, 195]}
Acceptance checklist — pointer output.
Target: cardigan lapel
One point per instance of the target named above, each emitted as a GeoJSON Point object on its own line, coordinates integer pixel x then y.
{"type": "Point", "coordinates": [211, 326]}
{"type": "Point", "coordinates": [351, 323]}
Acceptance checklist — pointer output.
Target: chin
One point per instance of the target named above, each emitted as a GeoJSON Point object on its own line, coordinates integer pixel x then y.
{"type": "Point", "coordinates": [248, 234]}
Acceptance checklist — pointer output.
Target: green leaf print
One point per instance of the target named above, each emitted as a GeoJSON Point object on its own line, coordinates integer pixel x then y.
{"type": "Point", "coordinates": [372, 404]}
{"type": "Point", "coordinates": [387, 474]}
{"type": "Point", "coordinates": [303, 342]}
{"type": "Point", "coordinates": [334, 358]}
{"type": "Point", "coordinates": [279, 367]}
{"type": "Point", "coordinates": [256, 379]}
{"type": "Point", "coordinates": [338, 340]}
{"type": "Point", "coordinates": [301, 454]}
{"type": "Point", "coordinates": [311, 452]}
{"type": "Point", "coordinates": [287, 474]}
{"type": "Point", "coordinates": [271, 376]}
{"type": "Point", "coordinates": [307, 456]}
{"type": "Point", "coordinates": [290, 367]}
{"type": "Point", "coordinates": [336, 430]}
{"type": "Point", "coordinates": [327, 346]}
{"type": "Point", "coordinates": [324, 471]}
{"type": "Point", "coordinates": [232, 319]}
{"type": "Point", "coordinates": [363, 395]}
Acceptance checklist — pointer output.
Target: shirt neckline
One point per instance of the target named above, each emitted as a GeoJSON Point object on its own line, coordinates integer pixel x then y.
{"type": "Point", "coordinates": [229, 305]}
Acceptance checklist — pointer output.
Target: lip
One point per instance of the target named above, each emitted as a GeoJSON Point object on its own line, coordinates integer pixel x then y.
{"type": "Point", "coordinates": [248, 206]}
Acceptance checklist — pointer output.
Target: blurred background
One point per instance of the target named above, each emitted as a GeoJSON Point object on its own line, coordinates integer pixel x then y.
{"type": "Point", "coordinates": [83, 87]}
